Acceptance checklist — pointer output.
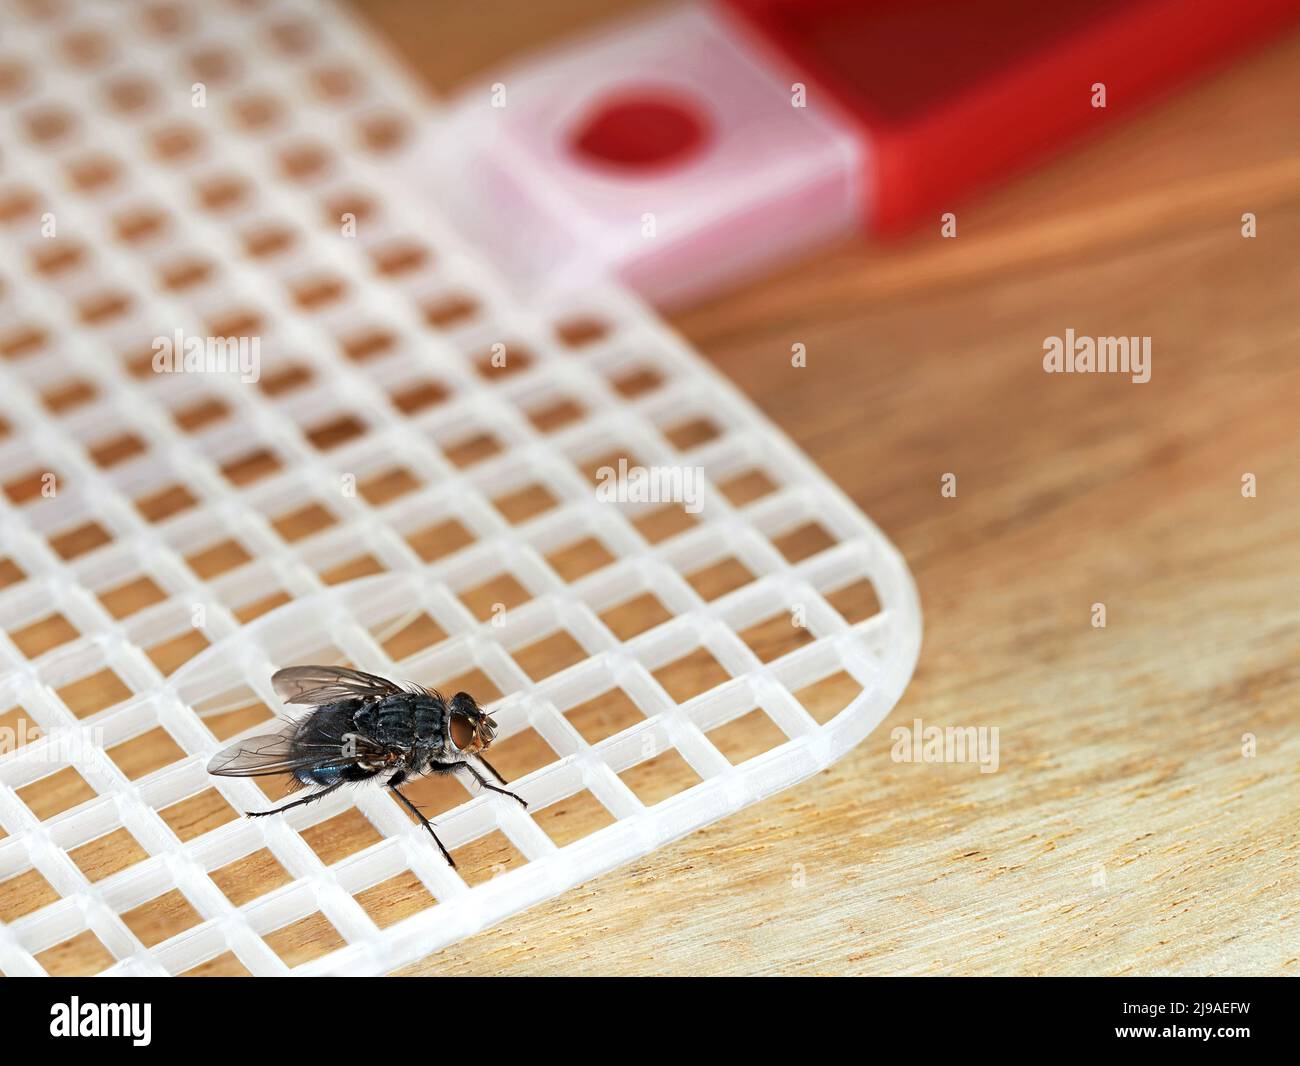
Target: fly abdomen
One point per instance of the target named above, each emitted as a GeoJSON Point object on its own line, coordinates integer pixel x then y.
{"type": "Point", "coordinates": [319, 739]}
{"type": "Point", "coordinates": [333, 774]}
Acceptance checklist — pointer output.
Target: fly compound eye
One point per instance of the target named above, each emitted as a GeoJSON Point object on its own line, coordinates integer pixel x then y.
{"type": "Point", "coordinates": [463, 734]}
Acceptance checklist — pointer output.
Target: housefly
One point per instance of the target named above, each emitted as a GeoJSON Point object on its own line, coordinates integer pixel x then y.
{"type": "Point", "coordinates": [364, 728]}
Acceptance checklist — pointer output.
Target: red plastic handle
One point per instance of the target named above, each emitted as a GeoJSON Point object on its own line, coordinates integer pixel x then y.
{"type": "Point", "coordinates": [952, 94]}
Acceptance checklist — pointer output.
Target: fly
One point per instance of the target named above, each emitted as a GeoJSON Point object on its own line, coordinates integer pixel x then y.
{"type": "Point", "coordinates": [365, 728]}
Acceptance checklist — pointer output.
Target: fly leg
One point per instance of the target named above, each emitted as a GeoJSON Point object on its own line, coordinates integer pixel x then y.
{"type": "Point", "coordinates": [500, 780]}
{"type": "Point", "coordinates": [396, 780]}
{"type": "Point", "coordinates": [483, 783]}
{"type": "Point", "coordinates": [298, 803]}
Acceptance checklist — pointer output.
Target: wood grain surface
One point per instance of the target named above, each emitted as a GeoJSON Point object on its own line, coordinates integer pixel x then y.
{"type": "Point", "coordinates": [1124, 832]}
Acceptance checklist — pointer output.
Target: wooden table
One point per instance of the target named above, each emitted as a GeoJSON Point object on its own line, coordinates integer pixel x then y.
{"type": "Point", "coordinates": [1125, 832]}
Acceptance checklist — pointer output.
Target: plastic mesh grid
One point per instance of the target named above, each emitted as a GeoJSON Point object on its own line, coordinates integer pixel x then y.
{"type": "Point", "coordinates": [383, 496]}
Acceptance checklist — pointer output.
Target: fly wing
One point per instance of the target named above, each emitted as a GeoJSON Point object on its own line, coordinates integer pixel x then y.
{"type": "Point", "coordinates": [317, 685]}
{"type": "Point", "coordinates": [283, 753]}
{"type": "Point", "coordinates": [263, 755]}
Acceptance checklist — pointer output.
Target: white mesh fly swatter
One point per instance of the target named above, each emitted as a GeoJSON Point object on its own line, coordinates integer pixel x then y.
{"type": "Point", "coordinates": [409, 485]}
